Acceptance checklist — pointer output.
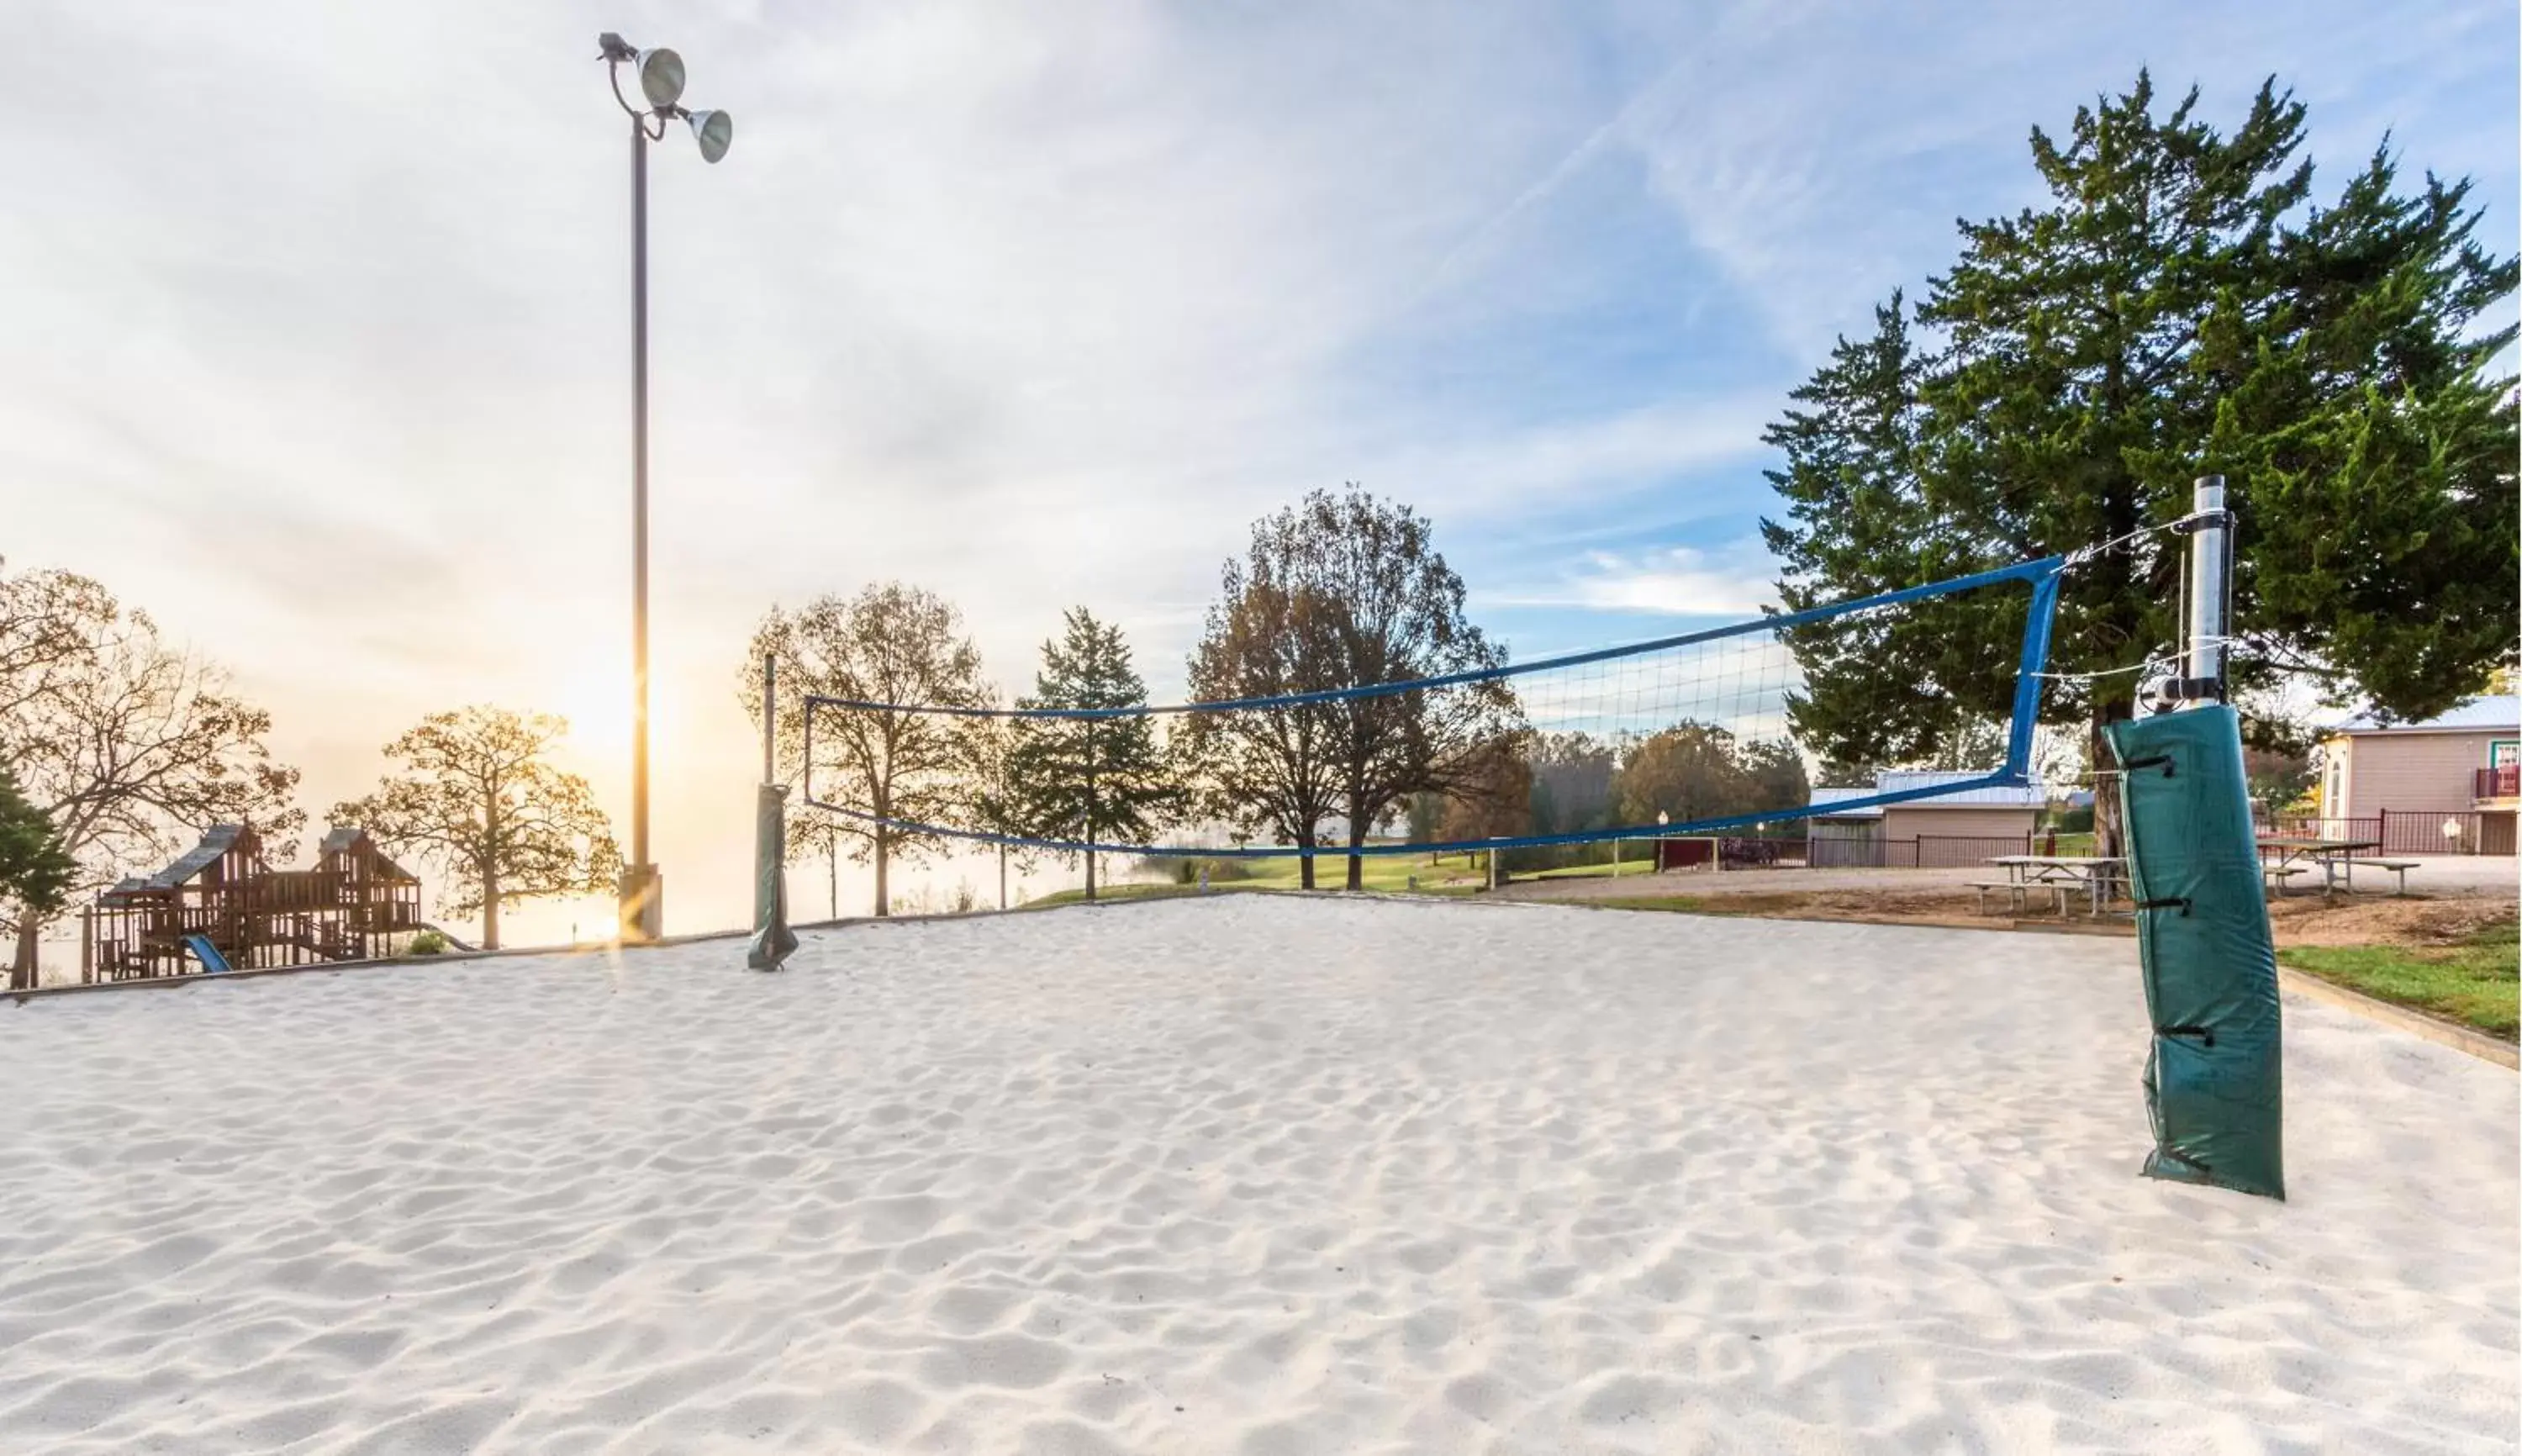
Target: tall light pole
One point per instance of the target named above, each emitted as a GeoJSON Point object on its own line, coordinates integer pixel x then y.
{"type": "Point", "coordinates": [660, 77]}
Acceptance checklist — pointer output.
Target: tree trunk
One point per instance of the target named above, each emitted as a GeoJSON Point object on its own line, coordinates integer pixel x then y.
{"type": "Point", "coordinates": [1003, 876]}
{"type": "Point", "coordinates": [1090, 874]}
{"type": "Point", "coordinates": [1305, 863]}
{"type": "Point", "coordinates": [883, 905]}
{"type": "Point", "coordinates": [21, 965]}
{"type": "Point", "coordinates": [2110, 838]}
{"type": "Point", "coordinates": [832, 877]}
{"type": "Point", "coordinates": [1356, 837]}
{"type": "Point", "coordinates": [491, 911]}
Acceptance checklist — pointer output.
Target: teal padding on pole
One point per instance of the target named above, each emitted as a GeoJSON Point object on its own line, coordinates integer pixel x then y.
{"type": "Point", "coordinates": [772, 940]}
{"type": "Point", "coordinates": [2214, 1081]}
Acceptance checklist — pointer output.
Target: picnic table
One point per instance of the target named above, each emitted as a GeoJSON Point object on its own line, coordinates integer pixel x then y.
{"type": "Point", "coordinates": [2098, 876]}
{"type": "Point", "coordinates": [2331, 857]}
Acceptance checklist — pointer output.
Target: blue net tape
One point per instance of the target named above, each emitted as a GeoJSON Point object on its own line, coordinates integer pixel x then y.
{"type": "Point", "coordinates": [2012, 769]}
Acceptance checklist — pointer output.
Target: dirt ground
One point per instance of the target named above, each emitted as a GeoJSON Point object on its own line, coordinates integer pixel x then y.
{"type": "Point", "coordinates": [2363, 920]}
{"type": "Point", "coordinates": [1935, 898]}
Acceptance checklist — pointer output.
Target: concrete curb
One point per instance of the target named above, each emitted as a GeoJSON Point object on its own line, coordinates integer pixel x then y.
{"type": "Point", "coordinates": [2435, 1029]}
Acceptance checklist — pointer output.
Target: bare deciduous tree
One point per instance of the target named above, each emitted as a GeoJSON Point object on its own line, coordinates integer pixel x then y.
{"type": "Point", "coordinates": [479, 800]}
{"type": "Point", "coordinates": [1274, 769]}
{"type": "Point", "coordinates": [49, 621]}
{"type": "Point", "coordinates": [127, 746]}
{"type": "Point", "coordinates": [993, 797]}
{"type": "Point", "coordinates": [1338, 591]}
{"type": "Point", "coordinates": [891, 643]}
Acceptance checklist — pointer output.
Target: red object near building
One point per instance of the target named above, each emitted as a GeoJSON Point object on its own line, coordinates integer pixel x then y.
{"type": "Point", "coordinates": [1684, 853]}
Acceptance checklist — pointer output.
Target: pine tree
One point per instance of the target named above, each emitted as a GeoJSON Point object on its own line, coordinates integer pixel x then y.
{"type": "Point", "coordinates": [2175, 311]}
{"type": "Point", "coordinates": [36, 872]}
{"type": "Point", "coordinates": [1090, 778]}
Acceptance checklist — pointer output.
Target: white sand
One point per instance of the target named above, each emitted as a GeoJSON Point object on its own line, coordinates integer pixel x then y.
{"type": "Point", "coordinates": [1242, 1175]}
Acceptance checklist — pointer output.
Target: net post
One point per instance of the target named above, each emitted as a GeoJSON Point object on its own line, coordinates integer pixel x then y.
{"type": "Point", "coordinates": [2210, 583]}
{"type": "Point", "coordinates": [769, 718]}
{"type": "Point", "coordinates": [2040, 617]}
{"type": "Point", "coordinates": [773, 941]}
{"type": "Point", "coordinates": [1090, 811]}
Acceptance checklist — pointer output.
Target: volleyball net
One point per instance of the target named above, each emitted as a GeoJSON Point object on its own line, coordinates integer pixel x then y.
{"type": "Point", "coordinates": [1835, 712]}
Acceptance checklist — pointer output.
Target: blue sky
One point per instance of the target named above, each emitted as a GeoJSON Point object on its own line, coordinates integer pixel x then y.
{"type": "Point", "coordinates": [318, 312]}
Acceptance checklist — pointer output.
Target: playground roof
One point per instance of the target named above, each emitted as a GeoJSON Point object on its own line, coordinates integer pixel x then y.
{"type": "Point", "coordinates": [218, 841]}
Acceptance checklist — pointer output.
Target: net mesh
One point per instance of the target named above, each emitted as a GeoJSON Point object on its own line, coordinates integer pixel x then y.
{"type": "Point", "coordinates": [1765, 730]}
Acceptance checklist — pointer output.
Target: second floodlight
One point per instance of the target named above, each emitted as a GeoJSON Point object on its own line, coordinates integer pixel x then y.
{"type": "Point", "coordinates": [715, 130]}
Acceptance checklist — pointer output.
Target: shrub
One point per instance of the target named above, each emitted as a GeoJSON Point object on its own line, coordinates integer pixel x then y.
{"type": "Point", "coordinates": [426, 943]}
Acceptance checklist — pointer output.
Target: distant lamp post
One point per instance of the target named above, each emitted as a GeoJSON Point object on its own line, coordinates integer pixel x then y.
{"type": "Point", "coordinates": [660, 78]}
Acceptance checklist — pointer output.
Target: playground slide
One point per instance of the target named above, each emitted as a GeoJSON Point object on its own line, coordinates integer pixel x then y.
{"type": "Point", "coordinates": [206, 952]}
{"type": "Point", "coordinates": [451, 940]}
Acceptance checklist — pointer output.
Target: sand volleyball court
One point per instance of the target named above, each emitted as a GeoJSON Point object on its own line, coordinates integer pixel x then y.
{"type": "Point", "coordinates": [1245, 1175]}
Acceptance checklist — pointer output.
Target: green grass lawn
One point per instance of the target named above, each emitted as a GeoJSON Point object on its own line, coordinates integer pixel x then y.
{"type": "Point", "coordinates": [1636, 861]}
{"type": "Point", "coordinates": [1114, 892]}
{"type": "Point", "coordinates": [1330, 871]}
{"type": "Point", "coordinates": [2472, 983]}
{"type": "Point", "coordinates": [1394, 875]}
{"type": "Point", "coordinates": [1385, 874]}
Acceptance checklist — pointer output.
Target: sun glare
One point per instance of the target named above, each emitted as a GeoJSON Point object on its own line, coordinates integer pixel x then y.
{"type": "Point", "coordinates": [595, 698]}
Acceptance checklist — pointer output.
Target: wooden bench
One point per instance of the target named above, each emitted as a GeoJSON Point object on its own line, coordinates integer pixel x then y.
{"type": "Point", "coordinates": [2400, 868]}
{"type": "Point", "coordinates": [2018, 889]}
{"type": "Point", "coordinates": [2279, 878]}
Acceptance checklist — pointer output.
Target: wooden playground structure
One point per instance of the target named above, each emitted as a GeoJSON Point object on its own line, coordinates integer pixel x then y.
{"type": "Point", "coordinates": [221, 907]}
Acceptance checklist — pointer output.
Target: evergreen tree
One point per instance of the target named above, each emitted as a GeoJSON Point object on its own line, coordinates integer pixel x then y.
{"type": "Point", "coordinates": [1424, 813]}
{"type": "Point", "coordinates": [2176, 309]}
{"type": "Point", "coordinates": [36, 872]}
{"type": "Point", "coordinates": [1094, 778]}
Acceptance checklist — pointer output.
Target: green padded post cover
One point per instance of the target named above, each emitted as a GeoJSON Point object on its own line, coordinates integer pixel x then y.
{"type": "Point", "coordinates": [2214, 1082]}
{"type": "Point", "coordinates": [772, 940]}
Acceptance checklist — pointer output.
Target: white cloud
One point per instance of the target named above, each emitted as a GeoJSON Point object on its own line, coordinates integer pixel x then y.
{"type": "Point", "coordinates": [1821, 153]}
{"type": "Point", "coordinates": [316, 313]}
{"type": "Point", "coordinates": [1730, 581]}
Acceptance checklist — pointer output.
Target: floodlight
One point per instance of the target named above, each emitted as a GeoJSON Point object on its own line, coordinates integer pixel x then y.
{"type": "Point", "coordinates": [661, 77]}
{"type": "Point", "coordinates": [715, 130]}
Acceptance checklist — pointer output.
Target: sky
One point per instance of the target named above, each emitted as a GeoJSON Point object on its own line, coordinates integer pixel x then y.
{"type": "Point", "coordinates": [317, 332]}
